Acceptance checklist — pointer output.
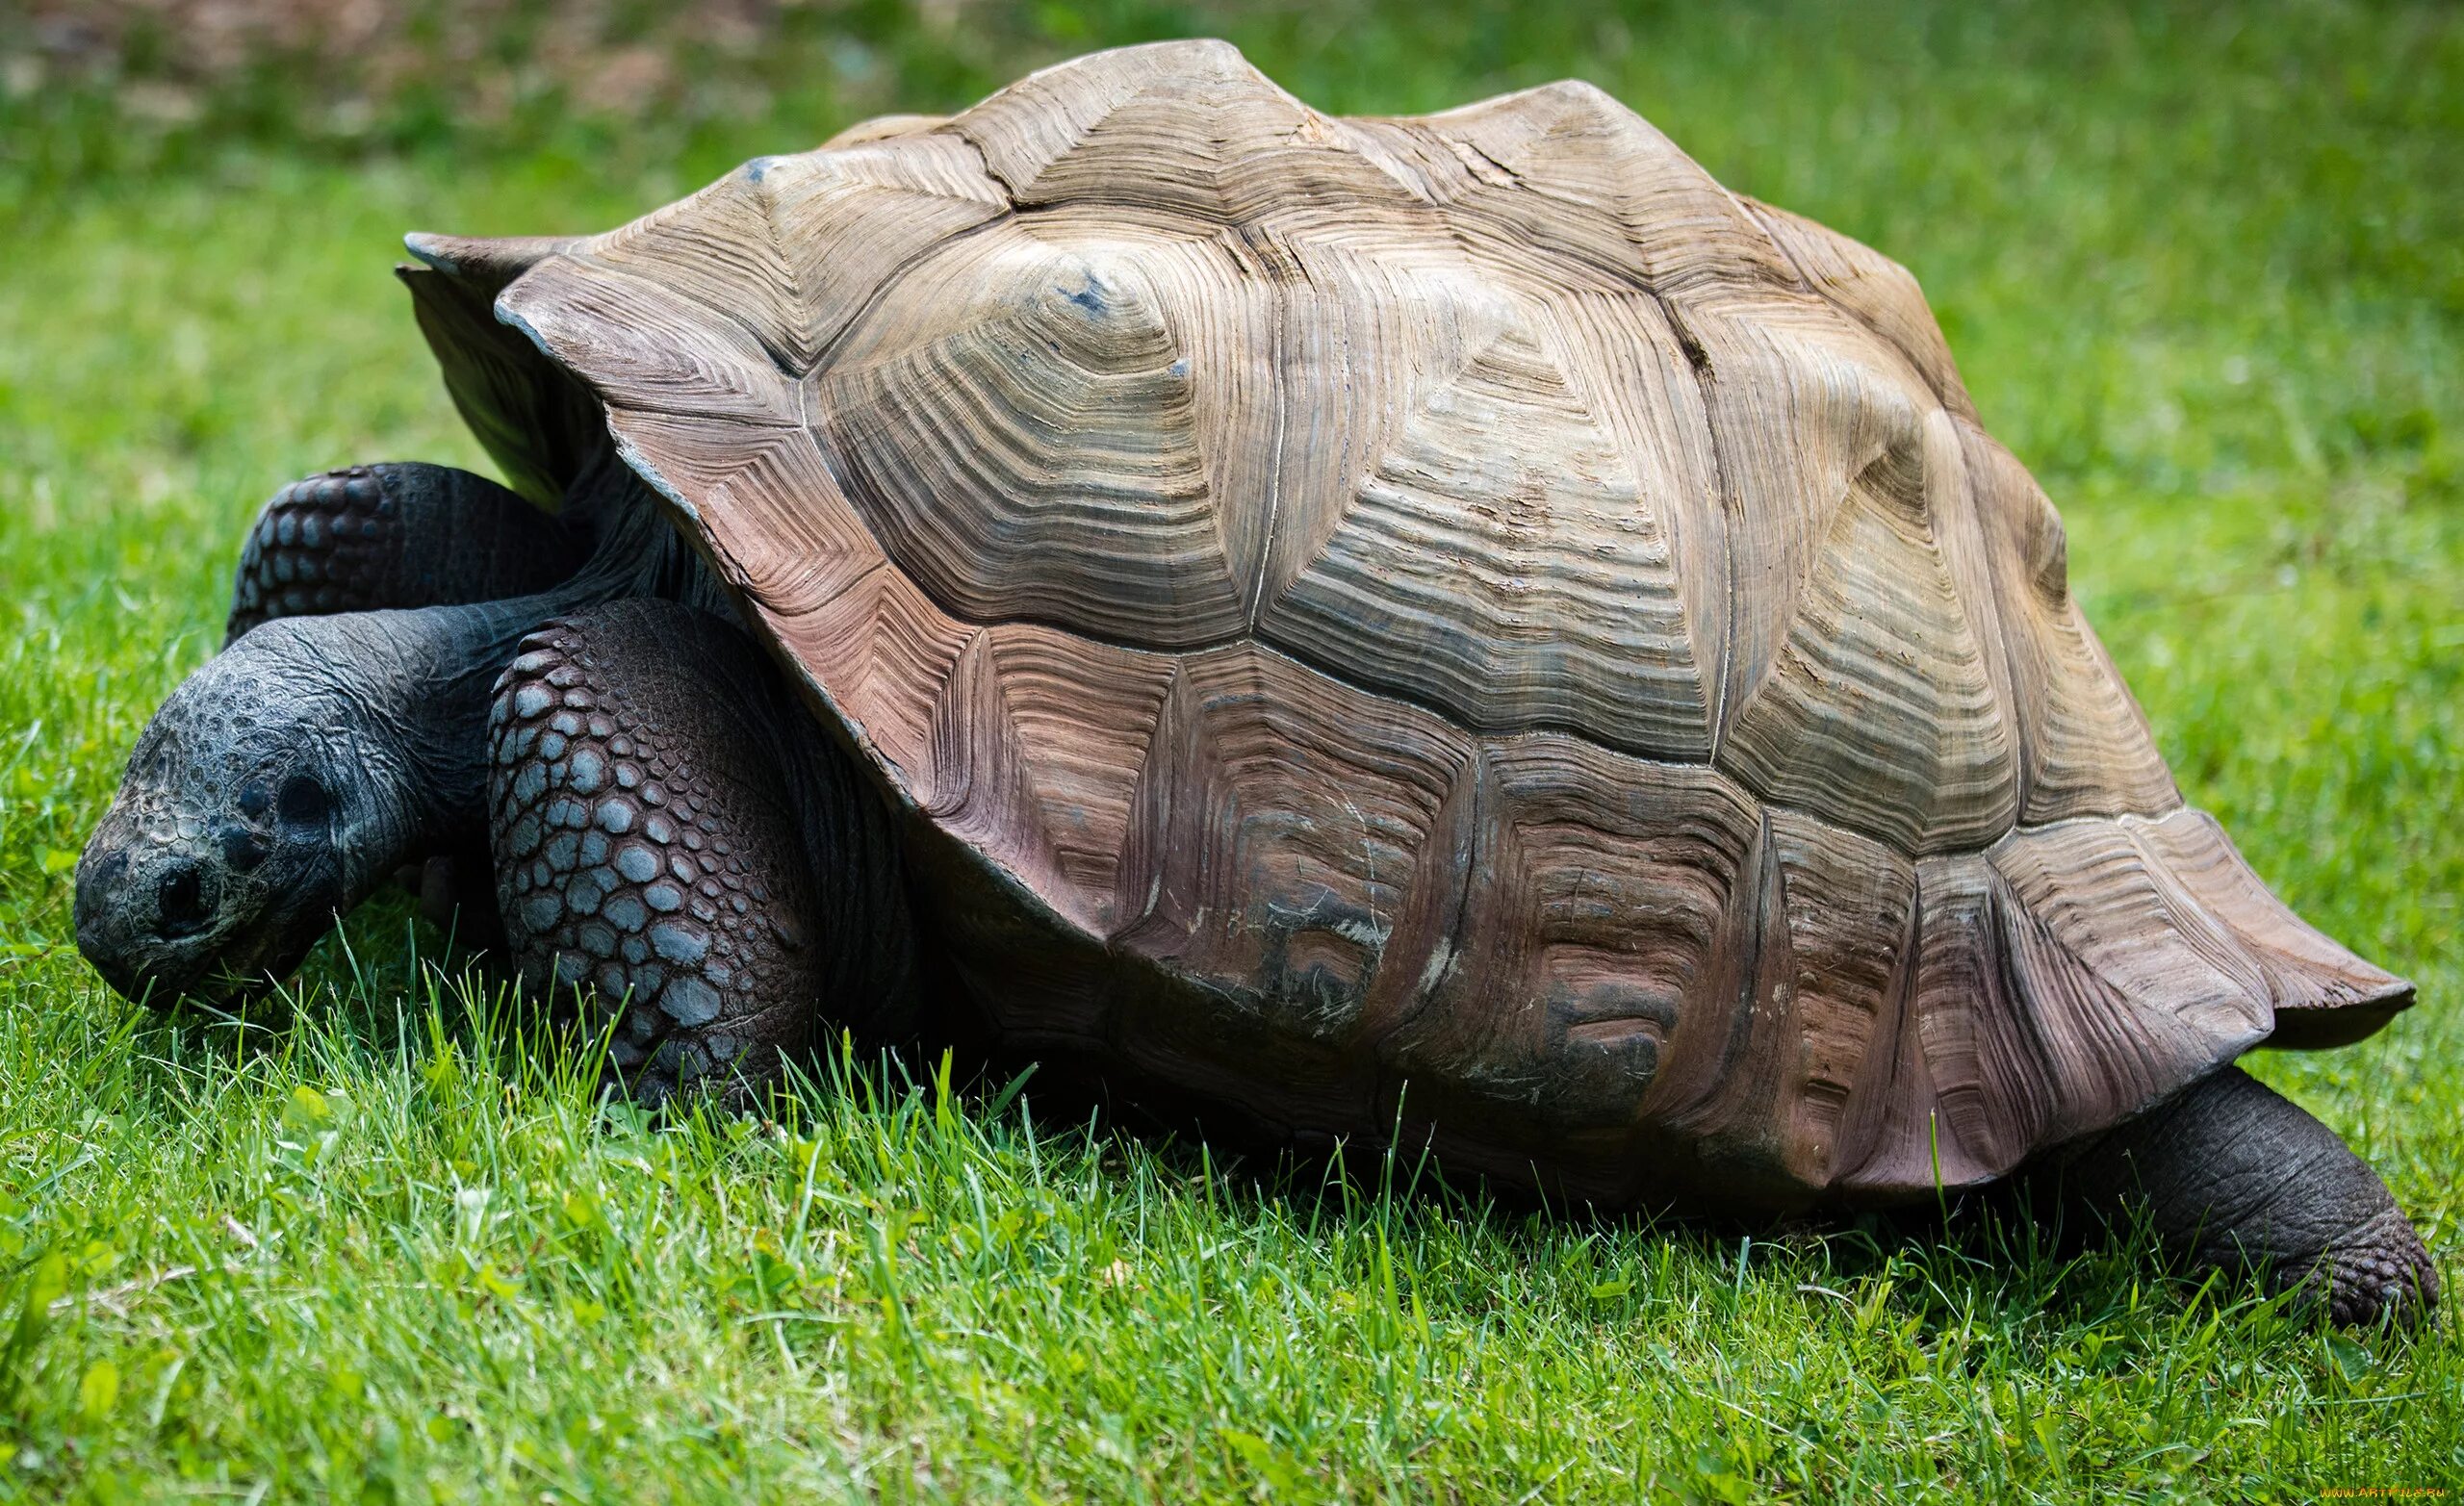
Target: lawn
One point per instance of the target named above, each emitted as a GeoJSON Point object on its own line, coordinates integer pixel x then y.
{"type": "Point", "coordinates": [2204, 275]}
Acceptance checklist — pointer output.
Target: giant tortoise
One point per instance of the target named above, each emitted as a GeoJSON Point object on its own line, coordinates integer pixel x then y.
{"type": "Point", "coordinates": [1456, 626]}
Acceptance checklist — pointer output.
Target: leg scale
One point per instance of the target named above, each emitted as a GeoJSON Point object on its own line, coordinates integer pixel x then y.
{"type": "Point", "coordinates": [648, 846]}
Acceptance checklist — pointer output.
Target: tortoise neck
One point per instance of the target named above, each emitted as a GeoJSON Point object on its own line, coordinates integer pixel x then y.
{"type": "Point", "coordinates": [634, 549]}
{"type": "Point", "coordinates": [429, 675]}
{"type": "Point", "coordinates": [426, 679]}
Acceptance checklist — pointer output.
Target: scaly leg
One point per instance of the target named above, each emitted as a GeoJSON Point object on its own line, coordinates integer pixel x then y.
{"type": "Point", "coordinates": [2234, 1176]}
{"type": "Point", "coordinates": [675, 835]}
{"type": "Point", "coordinates": [395, 535]}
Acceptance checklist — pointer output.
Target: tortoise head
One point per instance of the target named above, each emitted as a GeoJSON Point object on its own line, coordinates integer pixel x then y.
{"type": "Point", "coordinates": [257, 805]}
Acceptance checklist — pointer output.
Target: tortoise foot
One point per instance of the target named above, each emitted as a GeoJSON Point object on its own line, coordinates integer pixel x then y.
{"type": "Point", "coordinates": [2235, 1177]}
{"type": "Point", "coordinates": [393, 535]}
{"type": "Point", "coordinates": [2376, 1272]}
{"type": "Point", "coordinates": [650, 860]}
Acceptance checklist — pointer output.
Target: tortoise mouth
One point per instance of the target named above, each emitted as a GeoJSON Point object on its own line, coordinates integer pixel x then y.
{"type": "Point", "coordinates": [169, 924]}
{"type": "Point", "coordinates": [212, 976]}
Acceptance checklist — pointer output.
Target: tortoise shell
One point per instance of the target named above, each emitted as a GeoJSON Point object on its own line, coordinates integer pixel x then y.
{"type": "Point", "coordinates": [1456, 622]}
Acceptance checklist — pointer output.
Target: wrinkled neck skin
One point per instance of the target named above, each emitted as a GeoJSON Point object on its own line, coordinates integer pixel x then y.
{"type": "Point", "coordinates": [634, 549]}
{"type": "Point", "coordinates": [413, 688]}
{"type": "Point", "coordinates": [426, 678]}
{"type": "Point", "coordinates": [299, 769]}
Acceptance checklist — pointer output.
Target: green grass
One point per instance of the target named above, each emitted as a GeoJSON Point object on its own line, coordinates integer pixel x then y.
{"type": "Point", "coordinates": [2205, 276]}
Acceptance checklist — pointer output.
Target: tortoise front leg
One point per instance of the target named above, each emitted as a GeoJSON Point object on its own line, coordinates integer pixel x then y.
{"type": "Point", "coordinates": [403, 534]}
{"type": "Point", "coordinates": [2235, 1177]}
{"type": "Point", "coordinates": [675, 840]}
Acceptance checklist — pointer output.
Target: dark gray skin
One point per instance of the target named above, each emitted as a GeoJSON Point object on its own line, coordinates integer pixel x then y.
{"type": "Point", "coordinates": [672, 845]}
{"type": "Point", "coordinates": [405, 535]}
{"type": "Point", "coordinates": [2233, 1175]}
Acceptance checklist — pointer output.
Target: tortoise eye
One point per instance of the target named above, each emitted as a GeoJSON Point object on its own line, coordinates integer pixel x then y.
{"type": "Point", "coordinates": [303, 802]}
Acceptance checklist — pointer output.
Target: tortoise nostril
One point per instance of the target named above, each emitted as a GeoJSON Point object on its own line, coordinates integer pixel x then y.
{"type": "Point", "coordinates": [180, 902]}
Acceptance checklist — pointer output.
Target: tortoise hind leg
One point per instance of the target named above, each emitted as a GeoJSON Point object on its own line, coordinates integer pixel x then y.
{"type": "Point", "coordinates": [675, 840]}
{"type": "Point", "coordinates": [401, 534]}
{"type": "Point", "coordinates": [2234, 1176]}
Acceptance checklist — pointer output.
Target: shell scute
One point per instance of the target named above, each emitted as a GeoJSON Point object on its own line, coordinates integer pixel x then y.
{"type": "Point", "coordinates": [1595, 953]}
{"type": "Point", "coordinates": [1509, 590]}
{"type": "Point", "coordinates": [1025, 428]}
{"type": "Point", "coordinates": [1296, 850]}
{"type": "Point", "coordinates": [790, 248]}
{"type": "Point", "coordinates": [765, 496]}
{"type": "Point", "coordinates": [1873, 289]}
{"type": "Point", "coordinates": [1635, 208]}
{"type": "Point", "coordinates": [2321, 993]}
{"type": "Point", "coordinates": [1041, 736]}
{"type": "Point", "coordinates": [1879, 711]}
{"type": "Point", "coordinates": [658, 347]}
{"type": "Point", "coordinates": [1185, 128]}
{"type": "Point", "coordinates": [2083, 739]}
{"type": "Point", "coordinates": [881, 652]}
